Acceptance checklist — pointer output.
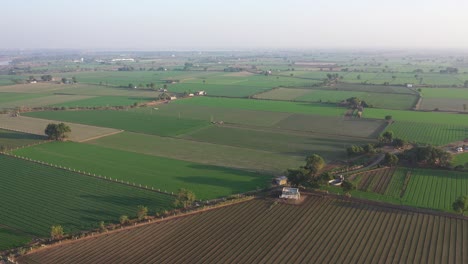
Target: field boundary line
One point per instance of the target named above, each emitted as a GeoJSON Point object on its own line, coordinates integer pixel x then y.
{"type": "Point", "coordinates": [101, 136]}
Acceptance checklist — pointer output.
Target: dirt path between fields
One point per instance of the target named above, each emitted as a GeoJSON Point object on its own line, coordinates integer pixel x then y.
{"type": "Point", "coordinates": [101, 136]}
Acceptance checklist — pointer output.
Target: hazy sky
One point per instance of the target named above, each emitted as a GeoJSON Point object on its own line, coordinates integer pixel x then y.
{"type": "Point", "coordinates": [233, 24]}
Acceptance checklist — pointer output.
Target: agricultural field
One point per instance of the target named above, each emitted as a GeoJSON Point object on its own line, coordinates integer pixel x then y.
{"type": "Point", "coordinates": [12, 238]}
{"type": "Point", "coordinates": [8, 98]}
{"type": "Point", "coordinates": [436, 134]}
{"type": "Point", "coordinates": [282, 94]}
{"type": "Point", "coordinates": [12, 139]}
{"type": "Point", "coordinates": [206, 181]}
{"type": "Point", "coordinates": [10, 79]}
{"type": "Point", "coordinates": [203, 152]}
{"type": "Point", "coordinates": [444, 104]}
{"type": "Point", "coordinates": [36, 88]}
{"type": "Point", "coordinates": [281, 142]}
{"type": "Point", "coordinates": [125, 120]}
{"type": "Point", "coordinates": [322, 230]}
{"type": "Point", "coordinates": [37, 126]}
{"type": "Point", "coordinates": [449, 93]}
{"type": "Point", "coordinates": [424, 188]}
{"type": "Point", "coordinates": [105, 101]}
{"type": "Point", "coordinates": [40, 101]}
{"type": "Point", "coordinates": [53, 196]}
{"type": "Point", "coordinates": [437, 118]}
{"type": "Point", "coordinates": [460, 159]}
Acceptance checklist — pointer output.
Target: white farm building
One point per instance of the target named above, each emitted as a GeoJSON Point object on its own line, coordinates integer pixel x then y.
{"type": "Point", "coordinates": [290, 193]}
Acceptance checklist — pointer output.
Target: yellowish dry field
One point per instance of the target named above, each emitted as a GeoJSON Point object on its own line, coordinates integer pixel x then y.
{"type": "Point", "coordinates": [36, 126]}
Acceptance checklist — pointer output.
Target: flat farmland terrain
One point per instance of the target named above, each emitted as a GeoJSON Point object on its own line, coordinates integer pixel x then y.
{"type": "Point", "coordinates": [8, 98]}
{"type": "Point", "coordinates": [47, 100]}
{"type": "Point", "coordinates": [37, 126]}
{"type": "Point", "coordinates": [227, 90]}
{"type": "Point", "coordinates": [202, 152]}
{"type": "Point", "coordinates": [280, 142]}
{"type": "Point", "coordinates": [460, 159]}
{"type": "Point", "coordinates": [38, 196]}
{"type": "Point", "coordinates": [206, 181]}
{"type": "Point", "coordinates": [437, 118]}
{"type": "Point", "coordinates": [35, 88]}
{"type": "Point", "coordinates": [105, 101]}
{"type": "Point", "coordinates": [125, 120]}
{"type": "Point", "coordinates": [355, 127]}
{"type": "Point", "coordinates": [11, 139]}
{"type": "Point", "coordinates": [12, 238]}
{"type": "Point", "coordinates": [444, 104]}
{"type": "Point", "coordinates": [10, 79]}
{"type": "Point", "coordinates": [260, 231]}
{"type": "Point", "coordinates": [103, 90]}
{"type": "Point", "coordinates": [282, 94]}
{"type": "Point", "coordinates": [436, 134]}
{"type": "Point", "coordinates": [451, 93]}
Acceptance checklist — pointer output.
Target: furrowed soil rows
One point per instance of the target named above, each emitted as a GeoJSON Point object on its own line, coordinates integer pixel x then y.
{"type": "Point", "coordinates": [260, 231]}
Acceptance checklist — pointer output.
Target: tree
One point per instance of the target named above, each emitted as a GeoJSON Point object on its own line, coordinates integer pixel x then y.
{"type": "Point", "coordinates": [314, 163]}
{"type": "Point", "coordinates": [46, 78]}
{"type": "Point", "coordinates": [299, 177]}
{"type": "Point", "coordinates": [142, 212]}
{"type": "Point", "coordinates": [399, 143]}
{"type": "Point", "coordinates": [124, 219]}
{"type": "Point", "coordinates": [64, 80]}
{"type": "Point", "coordinates": [388, 118]}
{"type": "Point", "coordinates": [57, 131]}
{"type": "Point", "coordinates": [74, 79]}
{"type": "Point", "coordinates": [465, 84]}
{"type": "Point", "coordinates": [56, 232]}
{"type": "Point", "coordinates": [461, 204]}
{"type": "Point", "coordinates": [347, 186]}
{"type": "Point", "coordinates": [102, 227]}
{"type": "Point", "coordinates": [391, 159]}
{"type": "Point", "coordinates": [184, 198]}
{"type": "Point", "coordinates": [387, 136]}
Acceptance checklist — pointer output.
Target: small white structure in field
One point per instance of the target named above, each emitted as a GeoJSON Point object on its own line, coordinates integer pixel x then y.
{"type": "Point", "coordinates": [290, 193]}
{"type": "Point", "coordinates": [173, 97]}
{"type": "Point", "coordinates": [409, 85]}
{"type": "Point", "coordinates": [190, 94]}
{"type": "Point", "coordinates": [337, 181]}
{"type": "Point", "coordinates": [200, 93]}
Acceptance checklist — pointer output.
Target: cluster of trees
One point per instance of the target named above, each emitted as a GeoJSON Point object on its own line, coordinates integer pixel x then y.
{"type": "Point", "coordinates": [141, 85]}
{"type": "Point", "coordinates": [66, 80]}
{"type": "Point", "coordinates": [46, 78]}
{"type": "Point", "coordinates": [359, 150]}
{"type": "Point", "coordinates": [126, 68]}
{"type": "Point", "coordinates": [450, 70]}
{"type": "Point", "coordinates": [429, 155]}
{"type": "Point", "coordinates": [184, 198]}
{"type": "Point", "coordinates": [233, 69]}
{"type": "Point", "coordinates": [305, 176]}
{"type": "Point", "coordinates": [461, 204]}
{"type": "Point", "coordinates": [57, 131]}
{"type": "Point", "coordinates": [355, 102]}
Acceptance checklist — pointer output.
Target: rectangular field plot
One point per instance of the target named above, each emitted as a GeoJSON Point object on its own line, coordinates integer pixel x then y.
{"type": "Point", "coordinates": [449, 93]}
{"type": "Point", "coordinates": [11, 139]}
{"type": "Point", "coordinates": [161, 173]}
{"type": "Point", "coordinates": [280, 142]}
{"type": "Point", "coordinates": [365, 128]}
{"type": "Point", "coordinates": [37, 126]}
{"type": "Point", "coordinates": [125, 120]}
{"type": "Point", "coordinates": [7, 99]}
{"type": "Point", "coordinates": [105, 101]}
{"type": "Point", "coordinates": [435, 189]}
{"type": "Point", "coordinates": [444, 104]}
{"type": "Point", "coordinates": [43, 88]}
{"type": "Point", "coordinates": [460, 159]}
{"type": "Point", "coordinates": [283, 94]}
{"type": "Point", "coordinates": [437, 118]}
{"type": "Point", "coordinates": [218, 89]}
{"type": "Point", "coordinates": [103, 90]}
{"type": "Point", "coordinates": [43, 101]}
{"type": "Point", "coordinates": [435, 134]}
{"type": "Point", "coordinates": [12, 238]}
{"type": "Point", "coordinates": [37, 197]}
{"type": "Point", "coordinates": [266, 105]}
{"type": "Point", "coordinates": [202, 152]}
{"type": "Point", "coordinates": [261, 231]}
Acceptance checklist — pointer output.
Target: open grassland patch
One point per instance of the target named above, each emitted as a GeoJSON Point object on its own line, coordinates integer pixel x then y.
{"type": "Point", "coordinates": [37, 126]}
{"type": "Point", "coordinates": [126, 120]}
{"type": "Point", "coordinates": [284, 143]}
{"type": "Point", "coordinates": [354, 127]}
{"type": "Point", "coordinates": [37, 197]}
{"type": "Point", "coordinates": [260, 231]}
{"type": "Point", "coordinates": [436, 134]}
{"type": "Point", "coordinates": [12, 139]}
{"type": "Point", "coordinates": [445, 104]}
{"type": "Point", "coordinates": [206, 181]}
{"type": "Point", "coordinates": [201, 152]}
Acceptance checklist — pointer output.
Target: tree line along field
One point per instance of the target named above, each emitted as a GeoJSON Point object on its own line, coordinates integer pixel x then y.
{"type": "Point", "coordinates": [206, 181]}
{"type": "Point", "coordinates": [38, 196]}
{"type": "Point", "coordinates": [425, 188]}
{"type": "Point", "coordinates": [12, 139]}
{"type": "Point", "coordinates": [322, 230]}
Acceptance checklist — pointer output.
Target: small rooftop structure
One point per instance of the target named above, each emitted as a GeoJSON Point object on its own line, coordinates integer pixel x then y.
{"type": "Point", "coordinates": [173, 97]}
{"type": "Point", "coordinates": [200, 93]}
{"type": "Point", "coordinates": [337, 181]}
{"type": "Point", "coordinates": [290, 193]}
{"type": "Point", "coordinates": [280, 180]}
{"type": "Point", "coordinates": [409, 85]}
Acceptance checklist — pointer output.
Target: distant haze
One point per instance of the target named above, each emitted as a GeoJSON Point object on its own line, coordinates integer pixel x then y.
{"type": "Point", "coordinates": [235, 24]}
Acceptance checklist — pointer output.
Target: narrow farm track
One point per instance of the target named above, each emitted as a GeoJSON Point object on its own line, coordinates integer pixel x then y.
{"type": "Point", "coordinates": [321, 230]}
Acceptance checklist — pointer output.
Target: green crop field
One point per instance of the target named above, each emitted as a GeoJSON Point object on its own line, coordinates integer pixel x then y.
{"type": "Point", "coordinates": [320, 230]}
{"type": "Point", "coordinates": [126, 120]}
{"type": "Point", "coordinates": [105, 101]}
{"type": "Point", "coordinates": [103, 90]}
{"type": "Point", "coordinates": [12, 238]}
{"type": "Point", "coordinates": [161, 173]}
{"type": "Point", "coordinates": [39, 101]}
{"type": "Point", "coordinates": [435, 189]}
{"type": "Point", "coordinates": [280, 142]}
{"type": "Point", "coordinates": [460, 159]}
{"type": "Point", "coordinates": [282, 94]}
{"type": "Point", "coordinates": [10, 79]}
{"type": "Point", "coordinates": [204, 153]}
{"type": "Point", "coordinates": [449, 93]}
{"type": "Point", "coordinates": [37, 197]}
{"type": "Point", "coordinates": [12, 139]}
{"type": "Point", "coordinates": [416, 116]}
{"type": "Point", "coordinates": [7, 98]}
{"type": "Point", "coordinates": [436, 134]}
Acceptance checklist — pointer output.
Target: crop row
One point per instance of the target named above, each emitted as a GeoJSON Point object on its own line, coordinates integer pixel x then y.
{"type": "Point", "coordinates": [262, 231]}
{"type": "Point", "coordinates": [435, 134]}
